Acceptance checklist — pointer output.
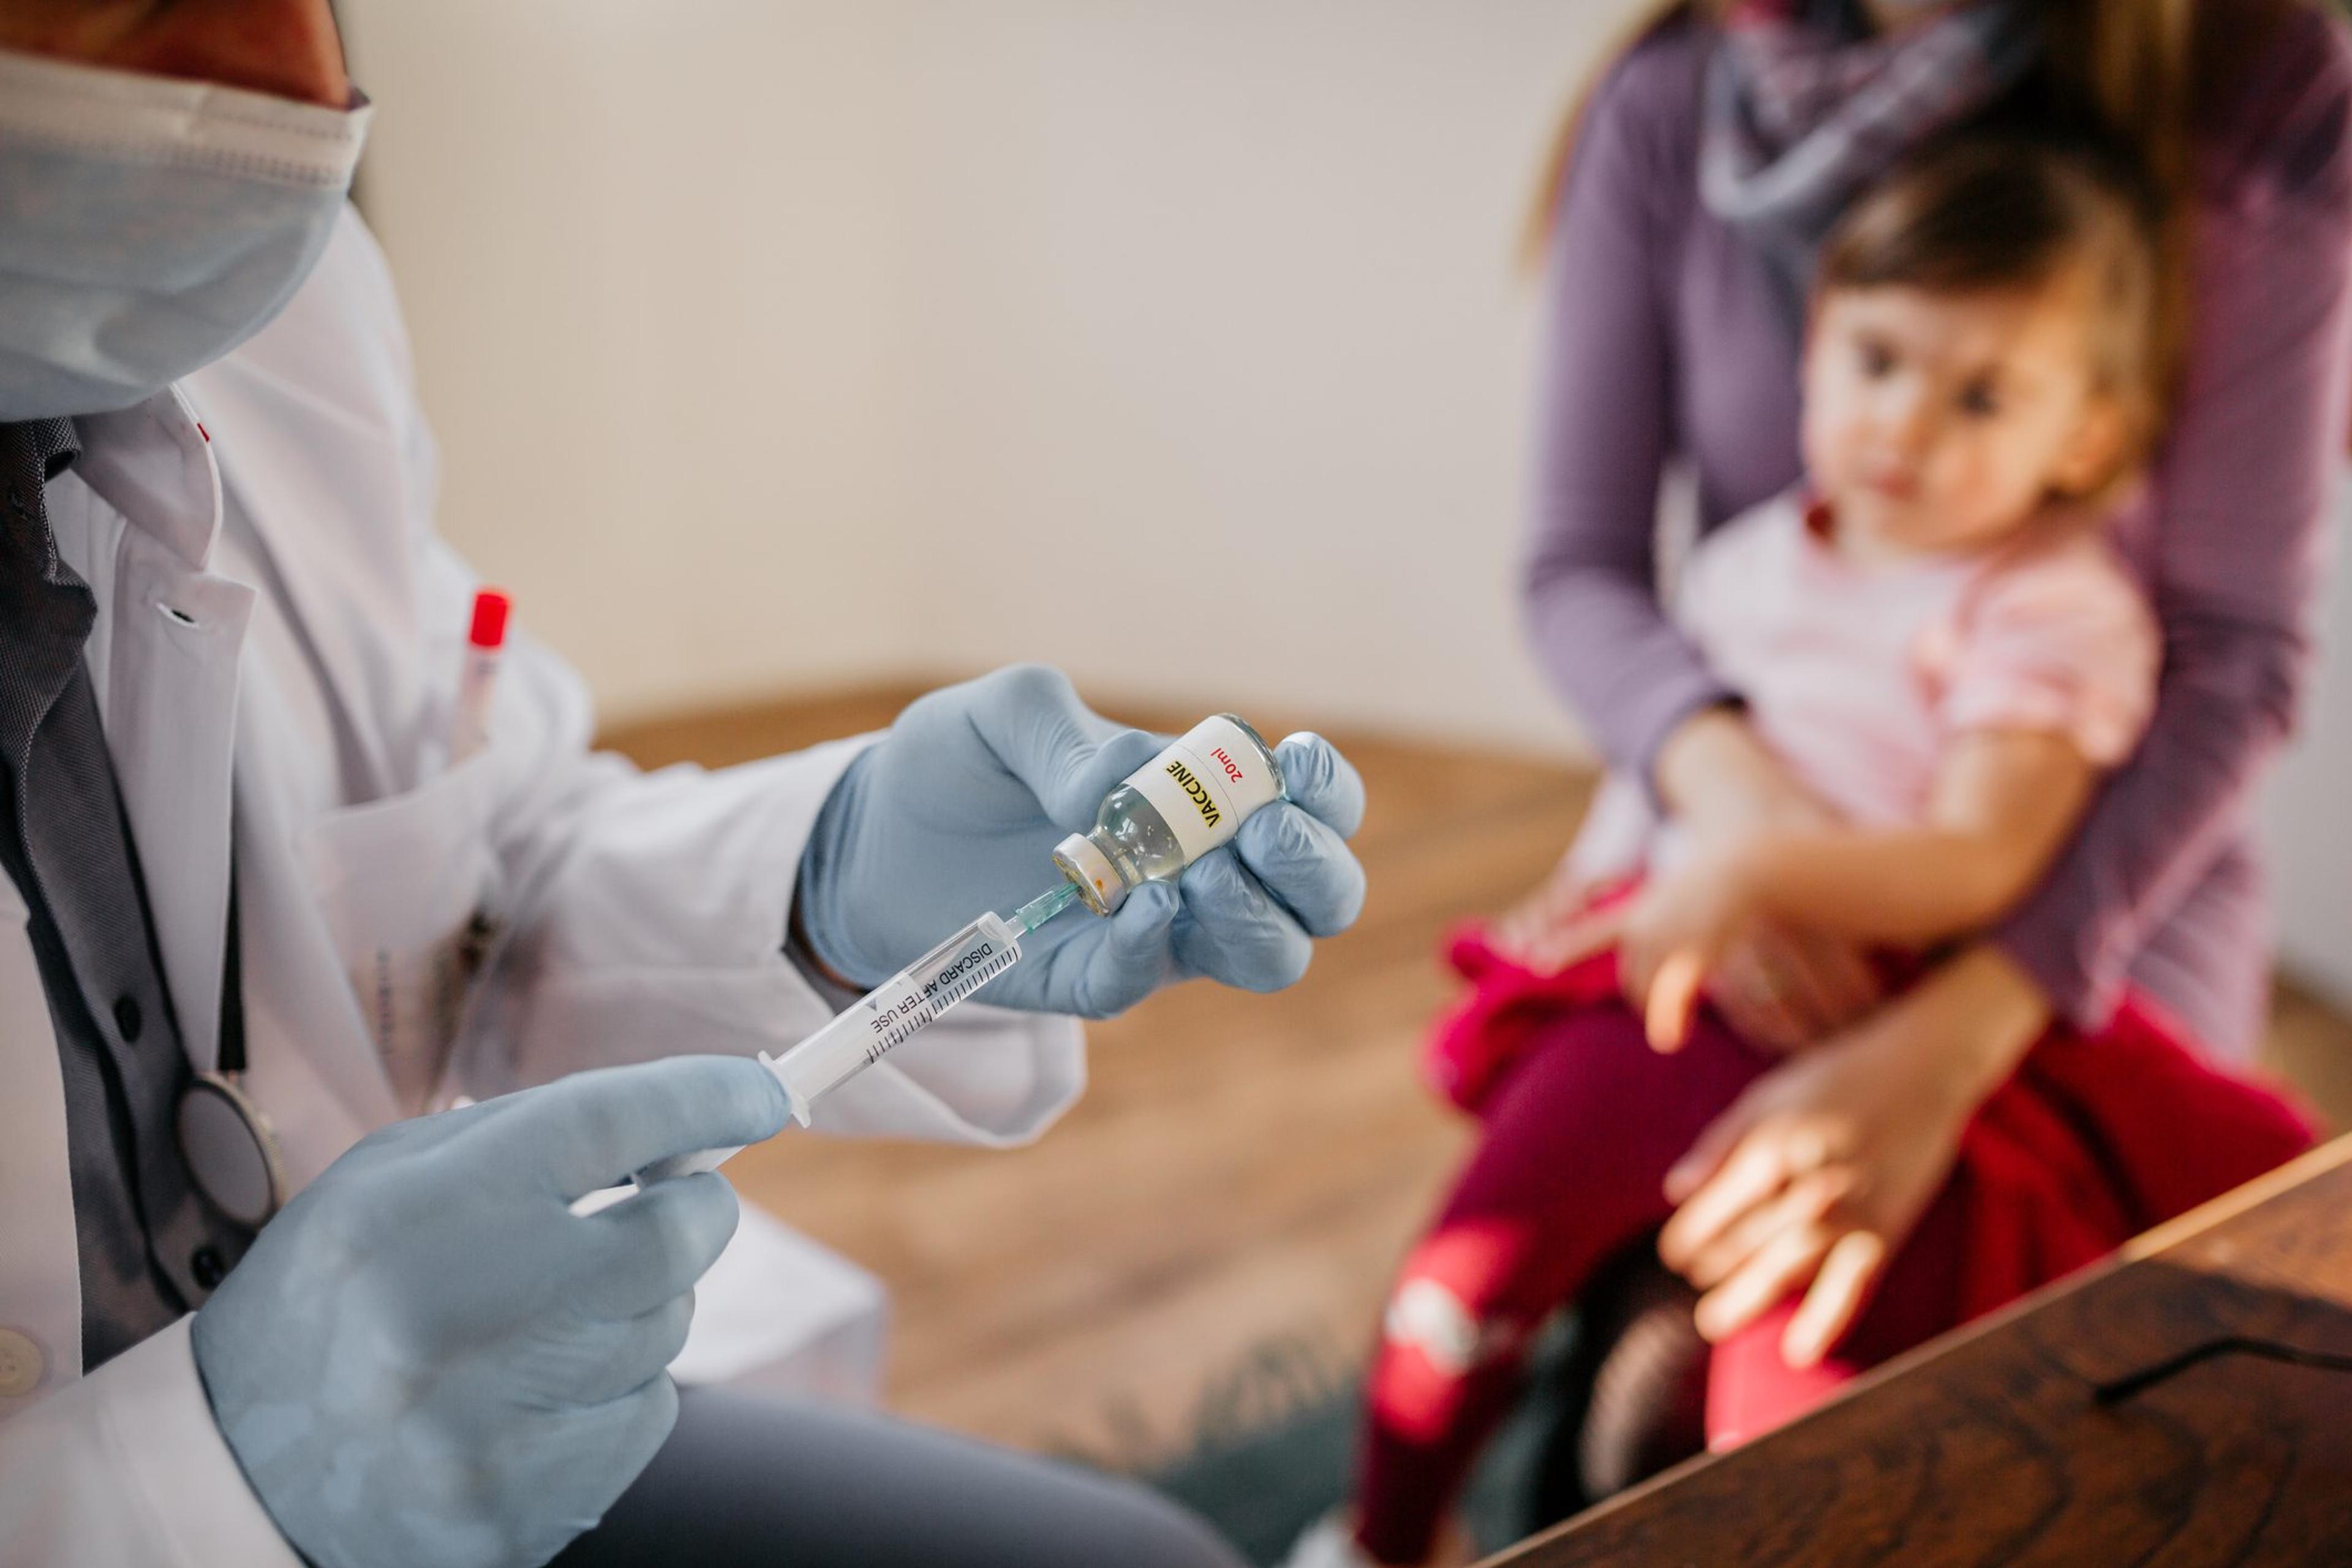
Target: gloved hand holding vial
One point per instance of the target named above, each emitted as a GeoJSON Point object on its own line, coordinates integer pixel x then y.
{"type": "Point", "coordinates": [1190, 799]}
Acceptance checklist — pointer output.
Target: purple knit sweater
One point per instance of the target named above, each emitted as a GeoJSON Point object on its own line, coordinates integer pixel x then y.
{"type": "Point", "coordinates": [1666, 345]}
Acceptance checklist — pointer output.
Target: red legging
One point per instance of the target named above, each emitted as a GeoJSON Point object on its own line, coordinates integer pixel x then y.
{"type": "Point", "coordinates": [1578, 1140]}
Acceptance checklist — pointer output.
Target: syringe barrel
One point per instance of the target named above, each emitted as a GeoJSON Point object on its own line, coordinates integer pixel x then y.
{"type": "Point", "coordinates": [894, 1011]}
{"type": "Point", "coordinates": [826, 1059]}
{"type": "Point", "coordinates": [874, 1025]}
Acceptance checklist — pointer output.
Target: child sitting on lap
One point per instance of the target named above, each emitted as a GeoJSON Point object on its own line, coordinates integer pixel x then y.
{"type": "Point", "coordinates": [1936, 635]}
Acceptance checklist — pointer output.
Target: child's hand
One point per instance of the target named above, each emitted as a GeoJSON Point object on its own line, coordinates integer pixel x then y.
{"type": "Point", "coordinates": [1554, 925]}
{"type": "Point", "coordinates": [1675, 933]}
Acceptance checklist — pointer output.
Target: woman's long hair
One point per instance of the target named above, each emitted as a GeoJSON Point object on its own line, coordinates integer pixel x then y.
{"type": "Point", "coordinates": [2143, 74]}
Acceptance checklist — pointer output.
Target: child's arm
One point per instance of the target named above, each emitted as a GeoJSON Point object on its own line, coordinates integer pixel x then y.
{"type": "Point", "coordinates": [2004, 804]}
{"type": "Point", "coordinates": [2049, 688]}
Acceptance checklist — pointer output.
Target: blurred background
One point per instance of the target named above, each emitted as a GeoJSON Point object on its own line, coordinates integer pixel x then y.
{"type": "Point", "coordinates": [778, 345]}
{"type": "Point", "coordinates": [788, 356]}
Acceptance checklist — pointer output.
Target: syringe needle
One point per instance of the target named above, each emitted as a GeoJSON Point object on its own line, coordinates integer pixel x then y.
{"type": "Point", "coordinates": [1046, 905]}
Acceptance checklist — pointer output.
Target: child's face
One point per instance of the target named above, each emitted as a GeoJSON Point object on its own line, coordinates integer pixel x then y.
{"type": "Point", "coordinates": [1941, 422]}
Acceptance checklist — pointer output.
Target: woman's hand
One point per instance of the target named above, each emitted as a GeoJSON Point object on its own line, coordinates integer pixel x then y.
{"type": "Point", "coordinates": [1815, 1176]}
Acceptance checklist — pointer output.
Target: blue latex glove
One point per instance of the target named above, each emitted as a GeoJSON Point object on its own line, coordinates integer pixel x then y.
{"type": "Point", "coordinates": [958, 809]}
{"type": "Point", "coordinates": [427, 1358]}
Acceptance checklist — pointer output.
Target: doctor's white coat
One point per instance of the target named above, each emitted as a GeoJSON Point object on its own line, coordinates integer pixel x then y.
{"type": "Point", "coordinates": [277, 654]}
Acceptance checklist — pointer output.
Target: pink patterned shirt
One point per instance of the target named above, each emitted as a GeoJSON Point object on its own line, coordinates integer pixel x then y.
{"type": "Point", "coordinates": [1861, 676]}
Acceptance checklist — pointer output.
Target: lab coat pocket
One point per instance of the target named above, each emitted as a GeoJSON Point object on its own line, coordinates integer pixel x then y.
{"type": "Point", "coordinates": [407, 885]}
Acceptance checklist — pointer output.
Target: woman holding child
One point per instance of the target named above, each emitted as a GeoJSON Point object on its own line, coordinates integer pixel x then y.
{"type": "Point", "coordinates": [2003, 343]}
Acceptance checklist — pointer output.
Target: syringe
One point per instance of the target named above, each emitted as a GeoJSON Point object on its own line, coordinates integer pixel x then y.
{"type": "Point", "coordinates": [909, 1002]}
{"type": "Point", "coordinates": [889, 1017]}
{"type": "Point", "coordinates": [1190, 798]}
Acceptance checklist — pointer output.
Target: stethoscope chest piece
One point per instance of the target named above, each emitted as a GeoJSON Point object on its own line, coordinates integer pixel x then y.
{"type": "Point", "coordinates": [230, 1151]}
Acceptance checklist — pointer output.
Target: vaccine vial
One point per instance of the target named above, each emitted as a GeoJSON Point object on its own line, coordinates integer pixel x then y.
{"type": "Point", "coordinates": [1185, 802]}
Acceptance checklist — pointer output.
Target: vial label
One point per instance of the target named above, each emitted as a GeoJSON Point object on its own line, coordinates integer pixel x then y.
{"type": "Point", "coordinates": [1205, 783]}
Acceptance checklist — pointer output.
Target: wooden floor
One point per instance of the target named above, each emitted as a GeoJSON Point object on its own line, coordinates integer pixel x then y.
{"type": "Point", "coordinates": [1241, 1168]}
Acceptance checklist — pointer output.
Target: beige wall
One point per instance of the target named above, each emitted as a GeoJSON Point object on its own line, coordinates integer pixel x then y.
{"type": "Point", "coordinates": [776, 342]}
{"type": "Point", "coordinates": [652, 260]}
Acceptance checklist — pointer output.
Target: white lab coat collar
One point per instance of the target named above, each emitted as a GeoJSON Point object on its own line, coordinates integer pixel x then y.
{"type": "Point", "coordinates": [174, 634]}
{"type": "Point", "coordinates": [153, 464]}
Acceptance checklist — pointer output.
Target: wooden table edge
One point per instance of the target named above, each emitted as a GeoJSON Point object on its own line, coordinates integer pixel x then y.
{"type": "Point", "coordinates": [2149, 1244]}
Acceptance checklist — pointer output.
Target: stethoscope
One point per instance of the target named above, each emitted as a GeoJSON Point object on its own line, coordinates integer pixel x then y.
{"type": "Point", "coordinates": [225, 1140]}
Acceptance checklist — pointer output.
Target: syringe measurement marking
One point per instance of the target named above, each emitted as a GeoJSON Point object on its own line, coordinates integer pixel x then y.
{"type": "Point", "coordinates": [916, 1013]}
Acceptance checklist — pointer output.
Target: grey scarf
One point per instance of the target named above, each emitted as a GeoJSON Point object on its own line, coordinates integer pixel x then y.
{"type": "Point", "coordinates": [1805, 106]}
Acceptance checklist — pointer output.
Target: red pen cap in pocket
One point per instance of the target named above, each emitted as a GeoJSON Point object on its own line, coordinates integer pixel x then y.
{"type": "Point", "coordinates": [490, 608]}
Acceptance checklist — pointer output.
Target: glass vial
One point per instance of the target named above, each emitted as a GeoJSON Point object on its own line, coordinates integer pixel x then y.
{"type": "Point", "coordinates": [1185, 802]}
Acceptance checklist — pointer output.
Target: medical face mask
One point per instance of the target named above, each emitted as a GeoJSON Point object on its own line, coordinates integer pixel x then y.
{"type": "Point", "coordinates": [149, 226]}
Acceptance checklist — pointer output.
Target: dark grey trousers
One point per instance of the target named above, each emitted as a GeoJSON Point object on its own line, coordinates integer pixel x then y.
{"type": "Point", "coordinates": [752, 1479]}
